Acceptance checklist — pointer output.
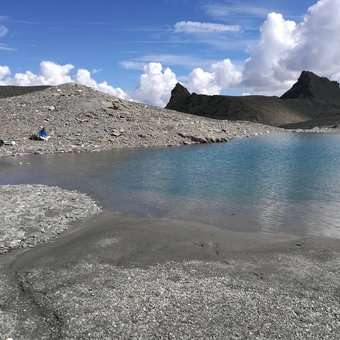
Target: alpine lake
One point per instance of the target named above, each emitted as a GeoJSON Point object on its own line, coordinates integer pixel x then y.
{"type": "Point", "coordinates": [284, 183]}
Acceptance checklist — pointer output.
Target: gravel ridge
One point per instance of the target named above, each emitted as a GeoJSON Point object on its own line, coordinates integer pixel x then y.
{"type": "Point", "coordinates": [80, 119]}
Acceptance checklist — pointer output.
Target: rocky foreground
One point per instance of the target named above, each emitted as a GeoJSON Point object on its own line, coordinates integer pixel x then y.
{"type": "Point", "coordinates": [120, 277]}
{"type": "Point", "coordinates": [81, 119]}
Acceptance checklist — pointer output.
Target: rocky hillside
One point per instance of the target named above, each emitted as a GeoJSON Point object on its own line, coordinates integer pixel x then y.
{"type": "Point", "coordinates": [79, 118]}
{"type": "Point", "coordinates": [312, 101]}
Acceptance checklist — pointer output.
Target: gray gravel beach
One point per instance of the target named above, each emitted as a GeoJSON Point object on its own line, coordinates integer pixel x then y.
{"type": "Point", "coordinates": [115, 276]}
{"type": "Point", "coordinates": [31, 214]}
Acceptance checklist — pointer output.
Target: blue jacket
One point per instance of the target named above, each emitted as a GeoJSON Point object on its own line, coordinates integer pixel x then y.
{"type": "Point", "coordinates": [42, 133]}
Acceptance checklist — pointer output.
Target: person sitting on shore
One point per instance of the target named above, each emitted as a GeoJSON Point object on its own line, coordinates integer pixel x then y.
{"type": "Point", "coordinates": [42, 134]}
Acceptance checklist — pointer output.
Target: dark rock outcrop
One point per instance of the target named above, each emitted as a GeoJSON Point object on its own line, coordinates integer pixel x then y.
{"type": "Point", "coordinates": [312, 101]}
{"type": "Point", "coordinates": [179, 96]}
{"type": "Point", "coordinates": [309, 85]}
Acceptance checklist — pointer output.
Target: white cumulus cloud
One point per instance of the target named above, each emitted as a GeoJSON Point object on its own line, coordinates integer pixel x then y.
{"type": "Point", "coordinates": [4, 72]}
{"type": "Point", "coordinates": [50, 74]}
{"type": "Point", "coordinates": [83, 77]}
{"type": "Point", "coordinates": [226, 74]}
{"type": "Point", "coordinates": [223, 75]}
{"type": "Point", "coordinates": [202, 82]}
{"type": "Point", "coordinates": [155, 85]}
{"type": "Point", "coordinates": [265, 68]}
{"type": "Point", "coordinates": [317, 40]}
{"type": "Point", "coordinates": [203, 27]}
{"type": "Point", "coordinates": [285, 48]}
{"type": "Point", "coordinates": [54, 74]}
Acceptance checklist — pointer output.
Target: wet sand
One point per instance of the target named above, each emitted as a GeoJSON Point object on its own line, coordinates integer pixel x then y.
{"type": "Point", "coordinates": [118, 276]}
{"type": "Point", "coordinates": [128, 241]}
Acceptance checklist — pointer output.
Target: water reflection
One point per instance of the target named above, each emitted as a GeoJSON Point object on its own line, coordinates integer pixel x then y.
{"type": "Point", "coordinates": [283, 184]}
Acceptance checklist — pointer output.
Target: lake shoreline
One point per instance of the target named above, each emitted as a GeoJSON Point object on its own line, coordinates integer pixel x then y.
{"type": "Point", "coordinates": [209, 131]}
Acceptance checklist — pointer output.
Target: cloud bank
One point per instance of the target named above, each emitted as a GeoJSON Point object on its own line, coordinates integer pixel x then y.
{"type": "Point", "coordinates": [54, 74]}
{"type": "Point", "coordinates": [154, 87]}
{"type": "Point", "coordinates": [50, 74]}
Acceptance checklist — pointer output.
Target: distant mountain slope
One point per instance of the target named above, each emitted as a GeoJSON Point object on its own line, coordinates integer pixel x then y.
{"type": "Point", "coordinates": [12, 91]}
{"type": "Point", "coordinates": [312, 99]}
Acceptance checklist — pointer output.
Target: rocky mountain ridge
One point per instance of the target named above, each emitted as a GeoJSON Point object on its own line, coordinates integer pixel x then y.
{"type": "Point", "coordinates": [312, 101]}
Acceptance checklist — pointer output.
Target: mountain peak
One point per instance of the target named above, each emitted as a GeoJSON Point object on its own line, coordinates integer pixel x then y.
{"type": "Point", "coordinates": [310, 85]}
{"type": "Point", "coordinates": [179, 96]}
{"type": "Point", "coordinates": [179, 89]}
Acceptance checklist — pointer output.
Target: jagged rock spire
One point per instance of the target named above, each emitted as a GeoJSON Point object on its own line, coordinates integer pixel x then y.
{"type": "Point", "coordinates": [179, 96]}
{"type": "Point", "coordinates": [310, 85]}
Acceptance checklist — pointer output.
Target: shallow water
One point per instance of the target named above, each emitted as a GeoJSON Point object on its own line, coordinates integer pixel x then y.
{"type": "Point", "coordinates": [287, 183]}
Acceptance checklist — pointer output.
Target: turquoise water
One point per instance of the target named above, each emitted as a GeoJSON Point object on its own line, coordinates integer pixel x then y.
{"type": "Point", "coordinates": [287, 183]}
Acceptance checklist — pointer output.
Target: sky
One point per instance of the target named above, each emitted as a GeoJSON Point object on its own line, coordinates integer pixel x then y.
{"type": "Point", "coordinates": [139, 50]}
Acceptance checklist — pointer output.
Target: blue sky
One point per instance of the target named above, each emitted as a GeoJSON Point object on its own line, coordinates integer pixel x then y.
{"type": "Point", "coordinates": [116, 40]}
